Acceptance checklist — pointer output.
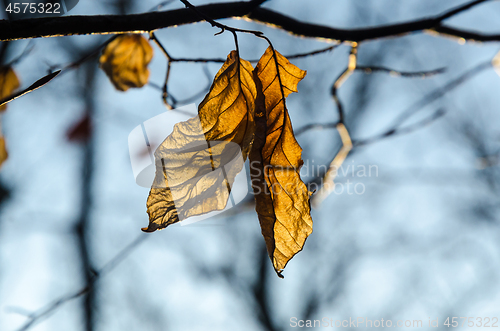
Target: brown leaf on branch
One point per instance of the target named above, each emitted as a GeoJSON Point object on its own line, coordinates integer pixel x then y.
{"type": "Point", "coordinates": [197, 163]}
{"type": "Point", "coordinates": [243, 115]}
{"type": "Point", "coordinates": [282, 198]}
{"type": "Point", "coordinates": [125, 61]}
{"type": "Point", "coordinates": [8, 83]}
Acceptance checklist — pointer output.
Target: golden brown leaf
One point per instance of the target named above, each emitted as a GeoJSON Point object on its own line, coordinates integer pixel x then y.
{"type": "Point", "coordinates": [125, 61]}
{"type": "Point", "coordinates": [282, 199]}
{"type": "Point", "coordinates": [8, 83]}
{"type": "Point", "coordinates": [197, 163]}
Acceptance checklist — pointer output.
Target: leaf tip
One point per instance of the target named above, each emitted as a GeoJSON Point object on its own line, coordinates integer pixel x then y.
{"type": "Point", "coordinates": [151, 228]}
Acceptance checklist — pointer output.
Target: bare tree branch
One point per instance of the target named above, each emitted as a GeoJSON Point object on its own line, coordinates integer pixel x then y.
{"type": "Point", "coordinates": [146, 22]}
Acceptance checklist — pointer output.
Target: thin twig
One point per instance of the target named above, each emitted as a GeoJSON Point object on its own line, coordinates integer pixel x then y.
{"type": "Point", "coordinates": [395, 73]}
{"type": "Point", "coordinates": [438, 93]}
{"type": "Point", "coordinates": [401, 130]}
{"type": "Point", "coordinates": [315, 126]}
{"type": "Point", "coordinates": [36, 85]}
{"type": "Point", "coordinates": [342, 78]}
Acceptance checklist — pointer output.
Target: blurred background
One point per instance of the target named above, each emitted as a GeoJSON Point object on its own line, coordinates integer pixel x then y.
{"type": "Point", "coordinates": [421, 241]}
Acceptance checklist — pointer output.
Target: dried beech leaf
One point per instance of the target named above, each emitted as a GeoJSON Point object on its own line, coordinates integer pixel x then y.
{"type": "Point", "coordinates": [197, 163]}
{"type": "Point", "coordinates": [282, 199]}
{"type": "Point", "coordinates": [8, 83]}
{"type": "Point", "coordinates": [125, 61]}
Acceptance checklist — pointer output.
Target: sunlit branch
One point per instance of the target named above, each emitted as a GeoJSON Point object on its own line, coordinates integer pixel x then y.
{"type": "Point", "coordinates": [342, 78]}
{"type": "Point", "coordinates": [331, 174]}
{"type": "Point", "coordinates": [39, 83]}
{"type": "Point", "coordinates": [116, 24]}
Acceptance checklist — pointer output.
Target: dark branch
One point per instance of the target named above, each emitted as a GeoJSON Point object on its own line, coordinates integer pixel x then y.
{"type": "Point", "coordinates": [113, 24]}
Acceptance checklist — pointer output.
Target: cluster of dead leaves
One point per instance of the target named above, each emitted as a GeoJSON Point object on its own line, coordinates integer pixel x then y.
{"type": "Point", "coordinates": [8, 84]}
{"type": "Point", "coordinates": [243, 116]}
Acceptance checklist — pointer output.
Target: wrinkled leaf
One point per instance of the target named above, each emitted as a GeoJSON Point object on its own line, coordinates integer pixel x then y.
{"type": "Point", "coordinates": [282, 199]}
{"type": "Point", "coordinates": [8, 83]}
{"type": "Point", "coordinates": [125, 61]}
{"type": "Point", "coordinates": [197, 163]}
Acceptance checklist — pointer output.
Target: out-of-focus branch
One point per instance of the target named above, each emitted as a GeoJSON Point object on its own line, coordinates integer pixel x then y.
{"type": "Point", "coordinates": [83, 224]}
{"type": "Point", "coordinates": [370, 70]}
{"type": "Point", "coordinates": [436, 94]}
{"type": "Point", "coordinates": [401, 130]}
{"type": "Point", "coordinates": [44, 312]}
{"type": "Point", "coordinates": [347, 143]}
{"type": "Point", "coordinates": [395, 73]}
{"type": "Point", "coordinates": [351, 66]}
{"type": "Point", "coordinates": [260, 292]}
{"type": "Point", "coordinates": [146, 22]}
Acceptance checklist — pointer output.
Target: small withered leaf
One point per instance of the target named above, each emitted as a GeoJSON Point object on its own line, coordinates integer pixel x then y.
{"type": "Point", "coordinates": [197, 163]}
{"type": "Point", "coordinates": [282, 198]}
{"type": "Point", "coordinates": [8, 83]}
{"type": "Point", "coordinates": [125, 61]}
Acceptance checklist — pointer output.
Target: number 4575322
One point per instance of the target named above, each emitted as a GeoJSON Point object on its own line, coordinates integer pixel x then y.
{"type": "Point", "coordinates": [32, 8]}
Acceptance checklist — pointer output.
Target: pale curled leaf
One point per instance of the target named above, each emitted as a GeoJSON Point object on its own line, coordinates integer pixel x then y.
{"type": "Point", "coordinates": [125, 61]}
{"type": "Point", "coordinates": [196, 165]}
{"type": "Point", "coordinates": [282, 199]}
{"type": "Point", "coordinates": [8, 83]}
